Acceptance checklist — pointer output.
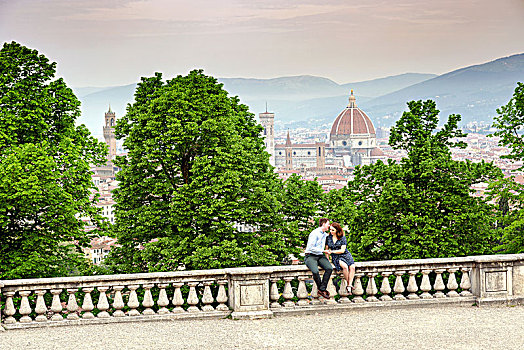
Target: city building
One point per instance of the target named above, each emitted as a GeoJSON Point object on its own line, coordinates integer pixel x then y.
{"type": "Point", "coordinates": [303, 156]}
{"type": "Point", "coordinates": [352, 141]}
{"type": "Point", "coordinates": [109, 133]}
{"type": "Point", "coordinates": [353, 137]}
{"type": "Point", "coordinates": [267, 120]}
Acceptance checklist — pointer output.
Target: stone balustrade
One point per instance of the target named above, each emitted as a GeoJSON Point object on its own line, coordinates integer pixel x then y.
{"type": "Point", "coordinates": [114, 298]}
{"type": "Point", "coordinates": [255, 292]}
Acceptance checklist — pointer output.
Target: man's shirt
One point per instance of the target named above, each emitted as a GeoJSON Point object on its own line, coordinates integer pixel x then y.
{"type": "Point", "coordinates": [316, 242]}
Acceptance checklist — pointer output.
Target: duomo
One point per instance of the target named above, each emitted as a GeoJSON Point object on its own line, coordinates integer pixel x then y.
{"type": "Point", "coordinates": [352, 141]}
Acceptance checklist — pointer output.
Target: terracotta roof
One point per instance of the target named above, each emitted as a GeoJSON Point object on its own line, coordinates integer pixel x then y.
{"type": "Point", "coordinates": [377, 152]}
{"type": "Point", "coordinates": [352, 121]}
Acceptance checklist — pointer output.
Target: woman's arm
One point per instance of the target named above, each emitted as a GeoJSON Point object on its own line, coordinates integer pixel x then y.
{"type": "Point", "coordinates": [340, 251]}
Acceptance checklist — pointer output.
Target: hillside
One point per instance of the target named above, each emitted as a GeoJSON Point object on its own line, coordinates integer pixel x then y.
{"type": "Point", "coordinates": [475, 92]}
{"type": "Point", "coordinates": [297, 98]}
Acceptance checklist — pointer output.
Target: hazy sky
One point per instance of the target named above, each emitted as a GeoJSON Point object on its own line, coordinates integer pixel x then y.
{"type": "Point", "coordinates": [115, 42]}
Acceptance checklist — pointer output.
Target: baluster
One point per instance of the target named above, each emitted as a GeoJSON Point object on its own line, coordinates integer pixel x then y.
{"type": "Point", "coordinates": [148, 300]}
{"type": "Point", "coordinates": [25, 308]}
{"type": "Point", "coordinates": [358, 291]}
{"type": "Point", "coordinates": [465, 282]}
{"type": "Point", "coordinates": [207, 297]}
{"type": "Point", "coordinates": [133, 303]}
{"type": "Point", "coordinates": [439, 284]}
{"type": "Point", "coordinates": [452, 283]}
{"type": "Point", "coordinates": [274, 294]}
{"type": "Point", "coordinates": [332, 289]}
{"type": "Point", "coordinates": [314, 293]}
{"type": "Point", "coordinates": [385, 287]}
{"type": "Point", "coordinates": [288, 292]}
{"type": "Point", "coordinates": [163, 300]}
{"type": "Point", "coordinates": [343, 292]}
{"type": "Point", "coordinates": [371, 288]}
{"type": "Point", "coordinates": [302, 291]}
{"type": "Point", "coordinates": [56, 305]}
{"type": "Point", "coordinates": [398, 288]}
{"type": "Point", "coordinates": [425, 285]}
{"type": "Point", "coordinates": [40, 308]}
{"type": "Point", "coordinates": [412, 285]}
{"type": "Point", "coordinates": [118, 302]}
{"type": "Point", "coordinates": [178, 299]}
{"type": "Point", "coordinates": [192, 298]}
{"type": "Point", "coordinates": [9, 310]}
{"type": "Point", "coordinates": [103, 304]}
{"type": "Point", "coordinates": [72, 305]}
{"type": "Point", "coordinates": [222, 296]}
{"type": "Point", "coordinates": [87, 304]}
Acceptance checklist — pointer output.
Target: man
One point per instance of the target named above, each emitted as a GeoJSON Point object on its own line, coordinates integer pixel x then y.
{"type": "Point", "coordinates": [316, 243]}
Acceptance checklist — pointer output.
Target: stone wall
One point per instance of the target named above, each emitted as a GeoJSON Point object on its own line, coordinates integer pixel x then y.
{"type": "Point", "coordinates": [255, 292]}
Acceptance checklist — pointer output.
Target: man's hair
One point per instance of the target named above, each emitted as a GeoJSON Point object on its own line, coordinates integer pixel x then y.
{"type": "Point", "coordinates": [322, 221]}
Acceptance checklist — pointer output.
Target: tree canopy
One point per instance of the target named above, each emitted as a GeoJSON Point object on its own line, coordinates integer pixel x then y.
{"type": "Point", "coordinates": [422, 206]}
{"type": "Point", "coordinates": [510, 124]}
{"type": "Point", "coordinates": [509, 194]}
{"type": "Point", "coordinates": [45, 180]}
{"type": "Point", "coordinates": [196, 170]}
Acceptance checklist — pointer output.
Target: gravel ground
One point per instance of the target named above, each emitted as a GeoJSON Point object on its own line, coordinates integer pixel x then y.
{"type": "Point", "coordinates": [488, 327]}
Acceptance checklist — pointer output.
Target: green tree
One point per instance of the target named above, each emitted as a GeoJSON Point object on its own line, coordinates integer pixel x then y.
{"type": "Point", "coordinates": [421, 207]}
{"type": "Point", "coordinates": [510, 124]}
{"type": "Point", "coordinates": [508, 193]}
{"type": "Point", "coordinates": [339, 208]}
{"type": "Point", "coordinates": [196, 166]}
{"type": "Point", "coordinates": [45, 180]}
{"type": "Point", "coordinates": [303, 202]}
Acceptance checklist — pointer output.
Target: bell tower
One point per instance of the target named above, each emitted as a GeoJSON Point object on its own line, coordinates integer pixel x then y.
{"type": "Point", "coordinates": [267, 120]}
{"type": "Point", "coordinates": [109, 133]}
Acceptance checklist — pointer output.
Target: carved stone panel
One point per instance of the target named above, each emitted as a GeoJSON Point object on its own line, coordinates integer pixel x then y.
{"type": "Point", "coordinates": [496, 281]}
{"type": "Point", "coordinates": [252, 295]}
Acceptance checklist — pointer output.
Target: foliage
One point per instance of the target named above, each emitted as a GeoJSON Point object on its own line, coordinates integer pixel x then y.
{"type": "Point", "coordinates": [422, 206]}
{"type": "Point", "coordinates": [303, 202]}
{"type": "Point", "coordinates": [510, 124]}
{"type": "Point", "coordinates": [44, 169]}
{"type": "Point", "coordinates": [508, 193]}
{"type": "Point", "coordinates": [196, 167]}
{"type": "Point", "coordinates": [339, 208]}
{"type": "Point", "coordinates": [509, 196]}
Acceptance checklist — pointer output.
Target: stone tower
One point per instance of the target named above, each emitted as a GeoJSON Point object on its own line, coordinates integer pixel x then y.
{"type": "Point", "coordinates": [267, 120]}
{"type": "Point", "coordinates": [109, 133]}
{"type": "Point", "coordinates": [321, 154]}
{"type": "Point", "coordinates": [289, 155]}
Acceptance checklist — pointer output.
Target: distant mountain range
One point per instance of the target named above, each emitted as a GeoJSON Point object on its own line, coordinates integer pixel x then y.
{"type": "Point", "coordinates": [475, 92]}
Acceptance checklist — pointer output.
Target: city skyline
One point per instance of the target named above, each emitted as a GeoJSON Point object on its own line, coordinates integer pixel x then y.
{"type": "Point", "coordinates": [107, 43]}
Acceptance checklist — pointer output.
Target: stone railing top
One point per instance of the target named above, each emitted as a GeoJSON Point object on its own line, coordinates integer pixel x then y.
{"type": "Point", "coordinates": [151, 276]}
{"type": "Point", "coordinates": [241, 272]}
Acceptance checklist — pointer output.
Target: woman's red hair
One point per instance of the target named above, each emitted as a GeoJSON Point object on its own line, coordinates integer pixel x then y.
{"type": "Point", "coordinates": [339, 231]}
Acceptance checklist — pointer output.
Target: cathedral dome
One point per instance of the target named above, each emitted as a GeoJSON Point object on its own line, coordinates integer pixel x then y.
{"type": "Point", "coordinates": [352, 121]}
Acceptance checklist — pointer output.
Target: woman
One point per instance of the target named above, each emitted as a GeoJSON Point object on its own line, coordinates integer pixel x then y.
{"type": "Point", "coordinates": [336, 247]}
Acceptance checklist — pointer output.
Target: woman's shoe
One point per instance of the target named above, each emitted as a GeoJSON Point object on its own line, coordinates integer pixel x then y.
{"type": "Point", "coordinates": [350, 289]}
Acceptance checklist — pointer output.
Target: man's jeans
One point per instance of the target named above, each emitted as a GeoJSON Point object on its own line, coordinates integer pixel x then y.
{"type": "Point", "coordinates": [312, 262]}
